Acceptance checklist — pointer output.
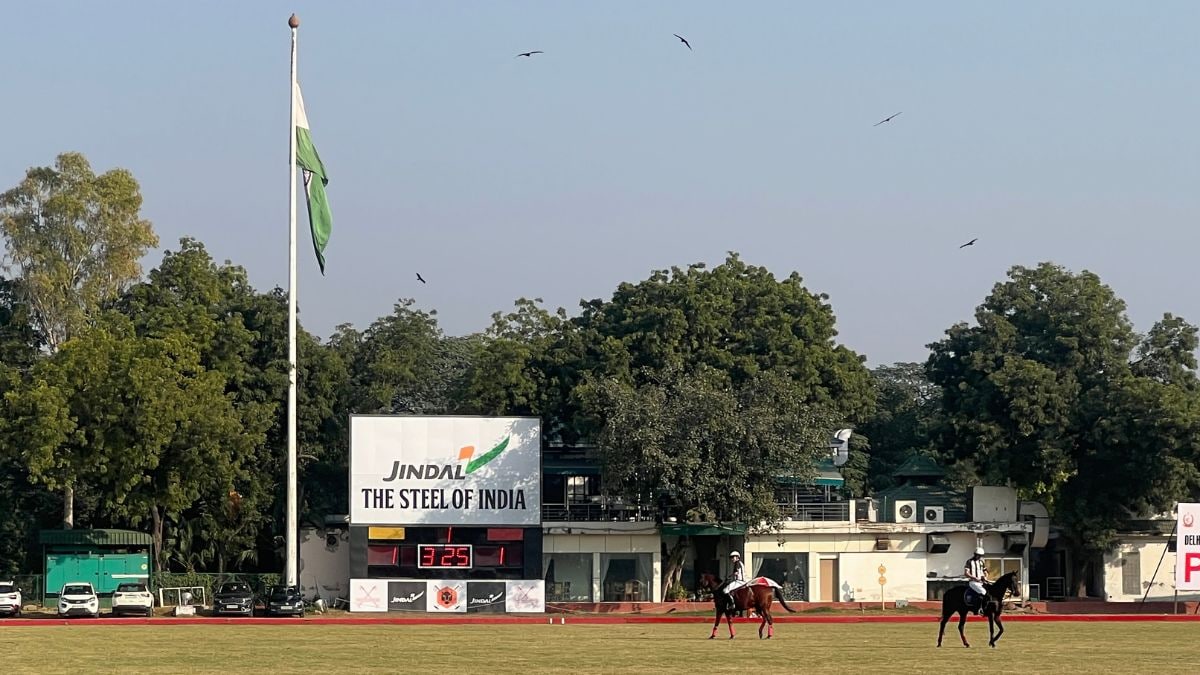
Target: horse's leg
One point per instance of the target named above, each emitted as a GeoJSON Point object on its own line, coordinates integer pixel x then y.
{"type": "Point", "coordinates": [729, 620]}
{"type": "Point", "coordinates": [1000, 626]}
{"type": "Point", "coordinates": [942, 628]}
{"type": "Point", "coordinates": [991, 630]}
{"type": "Point", "coordinates": [962, 621]}
{"type": "Point", "coordinates": [716, 624]}
{"type": "Point", "coordinates": [770, 625]}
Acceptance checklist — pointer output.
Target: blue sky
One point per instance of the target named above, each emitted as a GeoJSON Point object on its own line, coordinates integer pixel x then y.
{"type": "Point", "coordinates": [1058, 131]}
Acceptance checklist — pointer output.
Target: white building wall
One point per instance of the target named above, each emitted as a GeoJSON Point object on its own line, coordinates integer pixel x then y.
{"type": "Point", "coordinates": [324, 570]}
{"type": "Point", "coordinates": [1147, 553]}
{"type": "Point", "coordinates": [907, 561]}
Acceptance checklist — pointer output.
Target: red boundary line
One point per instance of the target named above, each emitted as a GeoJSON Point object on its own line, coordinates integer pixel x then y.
{"type": "Point", "coordinates": [574, 619]}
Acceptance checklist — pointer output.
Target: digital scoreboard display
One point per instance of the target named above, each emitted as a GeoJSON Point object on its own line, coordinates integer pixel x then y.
{"type": "Point", "coordinates": [444, 556]}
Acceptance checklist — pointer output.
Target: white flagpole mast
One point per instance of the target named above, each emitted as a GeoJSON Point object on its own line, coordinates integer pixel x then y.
{"type": "Point", "coordinates": [290, 537]}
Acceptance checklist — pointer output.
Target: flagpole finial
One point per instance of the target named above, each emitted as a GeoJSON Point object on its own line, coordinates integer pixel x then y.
{"type": "Point", "coordinates": [294, 22]}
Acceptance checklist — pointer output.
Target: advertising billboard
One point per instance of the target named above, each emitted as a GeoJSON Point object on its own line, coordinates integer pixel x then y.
{"type": "Point", "coordinates": [471, 471]}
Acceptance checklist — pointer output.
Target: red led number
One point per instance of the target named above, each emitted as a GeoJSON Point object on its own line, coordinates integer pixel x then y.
{"type": "Point", "coordinates": [441, 555]}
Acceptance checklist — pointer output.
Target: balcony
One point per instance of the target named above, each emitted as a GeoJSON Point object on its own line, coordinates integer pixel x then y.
{"type": "Point", "coordinates": [594, 512]}
{"type": "Point", "coordinates": [827, 512]}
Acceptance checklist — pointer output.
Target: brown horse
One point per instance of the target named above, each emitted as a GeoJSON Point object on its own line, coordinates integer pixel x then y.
{"type": "Point", "coordinates": [757, 595]}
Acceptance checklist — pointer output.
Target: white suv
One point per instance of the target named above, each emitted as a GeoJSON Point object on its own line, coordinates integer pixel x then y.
{"type": "Point", "coordinates": [78, 599]}
{"type": "Point", "coordinates": [132, 598]}
{"type": "Point", "coordinates": [10, 599]}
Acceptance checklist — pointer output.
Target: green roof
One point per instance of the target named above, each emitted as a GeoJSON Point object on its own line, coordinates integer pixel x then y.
{"type": "Point", "coordinates": [827, 475]}
{"type": "Point", "coordinates": [94, 538]}
{"type": "Point", "coordinates": [919, 466]}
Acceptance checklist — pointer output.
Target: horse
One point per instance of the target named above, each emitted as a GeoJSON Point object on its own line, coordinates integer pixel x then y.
{"type": "Point", "coordinates": [993, 605]}
{"type": "Point", "coordinates": [756, 595]}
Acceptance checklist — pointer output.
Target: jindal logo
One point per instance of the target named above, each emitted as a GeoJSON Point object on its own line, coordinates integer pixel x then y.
{"type": "Point", "coordinates": [489, 600]}
{"type": "Point", "coordinates": [401, 471]}
{"type": "Point", "coordinates": [409, 599]}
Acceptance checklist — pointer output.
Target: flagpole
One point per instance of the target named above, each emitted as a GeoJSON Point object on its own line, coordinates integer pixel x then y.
{"type": "Point", "coordinates": [290, 537]}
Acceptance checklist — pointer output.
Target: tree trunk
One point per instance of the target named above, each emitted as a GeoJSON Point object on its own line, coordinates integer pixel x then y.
{"type": "Point", "coordinates": [157, 534]}
{"type": "Point", "coordinates": [673, 566]}
{"type": "Point", "coordinates": [68, 519]}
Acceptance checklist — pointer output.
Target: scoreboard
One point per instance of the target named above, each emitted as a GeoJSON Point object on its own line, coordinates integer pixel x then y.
{"type": "Point", "coordinates": [450, 552]}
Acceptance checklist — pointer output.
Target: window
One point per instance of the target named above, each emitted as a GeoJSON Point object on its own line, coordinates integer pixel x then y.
{"type": "Point", "coordinates": [626, 577]}
{"type": "Point", "coordinates": [998, 567]}
{"type": "Point", "coordinates": [568, 577]}
{"type": "Point", "coordinates": [1131, 573]}
{"type": "Point", "coordinates": [789, 569]}
{"type": "Point", "coordinates": [577, 489]}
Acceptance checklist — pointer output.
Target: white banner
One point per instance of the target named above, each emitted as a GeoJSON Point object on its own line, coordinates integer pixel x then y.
{"type": "Point", "coordinates": [368, 595]}
{"type": "Point", "coordinates": [445, 470]}
{"type": "Point", "coordinates": [1187, 548]}
{"type": "Point", "coordinates": [526, 595]}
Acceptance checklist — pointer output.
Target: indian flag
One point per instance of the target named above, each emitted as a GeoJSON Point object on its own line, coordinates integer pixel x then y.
{"type": "Point", "coordinates": [315, 179]}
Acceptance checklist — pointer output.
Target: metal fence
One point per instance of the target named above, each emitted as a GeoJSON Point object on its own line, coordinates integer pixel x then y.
{"type": "Point", "coordinates": [834, 512]}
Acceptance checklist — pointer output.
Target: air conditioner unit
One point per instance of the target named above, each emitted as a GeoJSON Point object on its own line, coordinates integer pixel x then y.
{"type": "Point", "coordinates": [935, 514]}
{"type": "Point", "coordinates": [906, 511]}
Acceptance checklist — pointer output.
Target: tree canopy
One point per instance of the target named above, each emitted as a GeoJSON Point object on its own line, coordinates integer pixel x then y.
{"type": "Point", "coordinates": [1043, 393]}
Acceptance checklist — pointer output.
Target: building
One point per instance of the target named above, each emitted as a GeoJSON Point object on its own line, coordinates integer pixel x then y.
{"type": "Point", "coordinates": [828, 549]}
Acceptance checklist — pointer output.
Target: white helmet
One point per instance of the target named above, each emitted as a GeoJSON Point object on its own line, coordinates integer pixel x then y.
{"type": "Point", "coordinates": [734, 554]}
{"type": "Point", "coordinates": [978, 550]}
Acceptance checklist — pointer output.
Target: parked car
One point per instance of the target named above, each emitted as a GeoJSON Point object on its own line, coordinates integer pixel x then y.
{"type": "Point", "coordinates": [234, 597]}
{"type": "Point", "coordinates": [285, 600]}
{"type": "Point", "coordinates": [132, 598]}
{"type": "Point", "coordinates": [10, 599]}
{"type": "Point", "coordinates": [78, 599]}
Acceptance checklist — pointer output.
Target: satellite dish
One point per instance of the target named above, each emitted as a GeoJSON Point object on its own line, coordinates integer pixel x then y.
{"type": "Point", "coordinates": [840, 444]}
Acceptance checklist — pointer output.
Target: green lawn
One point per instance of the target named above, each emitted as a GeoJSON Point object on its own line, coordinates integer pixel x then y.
{"type": "Point", "coordinates": [636, 648]}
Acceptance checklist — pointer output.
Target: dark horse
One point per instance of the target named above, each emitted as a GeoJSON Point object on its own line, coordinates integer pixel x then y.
{"type": "Point", "coordinates": [753, 596]}
{"type": "Point", "coordinates": [993, 604]}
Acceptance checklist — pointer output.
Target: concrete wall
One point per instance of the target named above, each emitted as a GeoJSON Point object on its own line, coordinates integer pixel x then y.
{"type": "Point", "coordinates": [1147, 553]}
{"type": "Point", "coordinates": [610, 543]}
{"type": "Point", "coordinates": [908, 561]}
{"type": "Point", "coordinates": [324, 569]}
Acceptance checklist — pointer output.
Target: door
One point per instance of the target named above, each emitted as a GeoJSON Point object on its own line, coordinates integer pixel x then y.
{"type": "Point", "coordinates": [829, 580]}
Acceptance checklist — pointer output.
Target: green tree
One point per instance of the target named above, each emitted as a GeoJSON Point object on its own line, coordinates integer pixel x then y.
{"type": "Point", "coordinates": [905, 404]}
{"type": "Point", "coordinates": [717, 450]}
{"type": "Point", "coordinates": [1040, 394]}
{"type": "Point", "coordinates": [737, 319]}
{"type": "Point", "coordinates": [138, 418]}
{"type": "Point", "coordinates": [74, 240]}
{"type": "Point", "coordinates": [395, 357]}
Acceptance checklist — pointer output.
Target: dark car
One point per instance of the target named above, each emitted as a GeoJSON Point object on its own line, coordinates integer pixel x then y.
{"type": "Point", "coordinates": [285, 600]}
{"type": "Point", "coordinates": [234, 597]}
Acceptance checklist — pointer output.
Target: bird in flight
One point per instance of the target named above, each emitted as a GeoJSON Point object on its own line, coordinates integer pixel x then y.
{"type": "Point", "coordinates": [528, 54]}
{"type": "Point", "coordinates": [887, 120]}
{"type": "Point", "coordinates": [419, 278]}
{"type": "Point", "coordinates": [970, 243]}
{"type": "Point", "coordinates": [685, 42]}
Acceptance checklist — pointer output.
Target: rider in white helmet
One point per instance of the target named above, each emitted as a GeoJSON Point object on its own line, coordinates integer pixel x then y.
{"type": "Point", "coordinates": [737, 573]}
{"type": "Point", "coordinates": [976, 573]}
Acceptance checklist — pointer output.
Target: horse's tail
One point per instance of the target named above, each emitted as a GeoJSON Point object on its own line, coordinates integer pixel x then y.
{"type": "Point", "coordinates": [779, 597]}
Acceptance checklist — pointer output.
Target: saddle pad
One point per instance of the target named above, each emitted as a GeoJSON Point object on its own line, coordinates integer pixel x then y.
{"type": "Point", "coordinates": [763, 581]}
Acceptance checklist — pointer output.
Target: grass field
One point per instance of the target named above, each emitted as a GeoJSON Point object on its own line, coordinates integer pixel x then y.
{"type": "Point", "coordinates": [636, 648]}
